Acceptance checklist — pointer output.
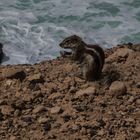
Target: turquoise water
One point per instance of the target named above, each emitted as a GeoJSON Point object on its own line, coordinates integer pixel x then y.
{"type": "Point", "coordinates": [32, 29]}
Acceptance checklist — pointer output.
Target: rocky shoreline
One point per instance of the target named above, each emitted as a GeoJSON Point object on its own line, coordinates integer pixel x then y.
{"type": "Point", "coordinates": [50, 101]}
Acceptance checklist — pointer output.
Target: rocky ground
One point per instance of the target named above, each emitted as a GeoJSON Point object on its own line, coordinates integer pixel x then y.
{"type": "Point", "coordinates": [50, 100]}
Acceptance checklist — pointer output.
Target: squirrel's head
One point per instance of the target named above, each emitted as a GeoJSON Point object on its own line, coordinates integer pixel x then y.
{"type": "Point", "coordinates": [71, 42]}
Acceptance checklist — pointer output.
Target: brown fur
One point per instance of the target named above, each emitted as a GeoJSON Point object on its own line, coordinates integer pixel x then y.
{"type": "Point", "coordinates": [91, 55]}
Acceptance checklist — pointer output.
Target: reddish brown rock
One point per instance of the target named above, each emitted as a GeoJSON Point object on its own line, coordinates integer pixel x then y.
{"type": "Point", "coordinates": [34, 77]}
{"type": "Point", "coordinates": [14, 73]}
{"type": "Point", "coordinates": [120, 55]}
{"type": "Point", "coordinates": [42, 120]}
{"type": "Point", "coordinates": [68, 67]}
{"type": "Point", "coordinates": [138, 101]}
{"type": "Point", "coordinates": [12, 138]}
{"type": "Point", "coordinates": [55, 110]}
{"type": "Point", "coordinates": [137, 129]}
{"type": "Point", "coordinates": [117, 88]}
{"type": "Point", "coordinates": [6, 110]}
{"type": "Point", "coordinates": [55, 95]}
{"type": "Point", "coordinates": [88, 91]}
{"type": "Point", "coordinates": [38, 109]}
{"type": "Point", "coordinates": [54, 102]}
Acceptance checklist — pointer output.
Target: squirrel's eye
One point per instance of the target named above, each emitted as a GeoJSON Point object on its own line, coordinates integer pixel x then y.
{"type": "Point", "coordinates": [68, 41]}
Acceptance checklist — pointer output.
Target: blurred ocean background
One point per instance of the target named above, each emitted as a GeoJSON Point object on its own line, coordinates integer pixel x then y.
{"type": "Point", "coordinates": [31, 30]}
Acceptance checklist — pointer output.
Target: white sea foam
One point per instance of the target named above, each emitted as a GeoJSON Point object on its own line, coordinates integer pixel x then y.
{"type": "Point", "coordinates": [32, 30]}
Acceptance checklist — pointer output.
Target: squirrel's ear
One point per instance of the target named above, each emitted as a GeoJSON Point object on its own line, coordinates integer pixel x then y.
{"type": "Point", "coordinates": [74, 35]}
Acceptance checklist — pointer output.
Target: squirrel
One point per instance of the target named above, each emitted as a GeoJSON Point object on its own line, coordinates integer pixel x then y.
{"type": "Point", "coordinates": [1, 52]}
{"type": "Point", "coordinates": [92, 57]}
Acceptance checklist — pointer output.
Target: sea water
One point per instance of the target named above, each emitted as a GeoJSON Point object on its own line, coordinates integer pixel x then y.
{"type": "Point", "coordinates": [31, 30]}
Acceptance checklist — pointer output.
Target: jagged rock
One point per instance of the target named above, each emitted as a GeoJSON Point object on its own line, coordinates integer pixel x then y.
{"type": "Point", "coordinates": [37, 78]}
{"type": "Point", "coordinates": [123, 52]}
{"type": "Point", "coordinates": [121, 136]}
{"type": "Point", "coordinates": [13, 138]}
{"type": "Point", "coordinates": [120, 55]}
{"type": "Point", "coordinates": [6, 110]}
{"type": "Point", "coordinates": [47, 126]}
{"type": "Point", "coordinates": [53, 102]}
{"type": "Point", "coordinates": [68, 67]}
{"type": "Point", "coordinates": [117, 88]}
{"type": "Point", "coordinates": [72, 89]}
{"type": "Point", "coordinates": [51, 86]}
{"type": "Point", "coordinates": [17, 113]}
{"type": "Point", "coordinates": [42, 120]}
{"type": "Point", "coordinates": [137, 129]}
{"type": "Point", "coordinates": [131, 99]}
{"type": "Point", "coordinates": [9, 82]}
{"type": "Point", "coordinates": [13, 73]}
{"type": "Point", "coordinates": [55, 110]}
{"type": "Point", "coordinates": [138, 85]}
{"type": "Point", "coordinates": [27, 119]}
{"type": "Point", "coordinates": [138, 101]}
{"type": "Point", "coordinates": [38, 109]}
{"type": "Point", "coordinates": [88, 91]}
{"type": "Point", "coordinates": [101, 133]}
{"type": "Point", "coordinates": [27, 97]}
{"type": "Point", "coordinates": [135, 47]}
{"type": "Point", "coordinates": [55, 95]}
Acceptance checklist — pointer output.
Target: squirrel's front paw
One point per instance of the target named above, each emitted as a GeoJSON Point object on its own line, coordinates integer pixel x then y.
{"type": "Point", "coordinates": [64, 53]}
